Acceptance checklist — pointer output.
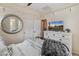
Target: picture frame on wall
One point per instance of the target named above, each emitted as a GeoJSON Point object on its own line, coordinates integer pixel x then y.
{"type": "Point", "coordinates": [56, 25]}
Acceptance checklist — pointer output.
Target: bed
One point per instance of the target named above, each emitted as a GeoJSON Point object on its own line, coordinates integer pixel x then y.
{"type": "Point", "coordinates": [29, 47]}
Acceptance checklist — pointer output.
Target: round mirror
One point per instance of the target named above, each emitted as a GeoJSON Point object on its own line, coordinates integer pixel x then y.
{"type": "Point", "coordinates": [11, 24]}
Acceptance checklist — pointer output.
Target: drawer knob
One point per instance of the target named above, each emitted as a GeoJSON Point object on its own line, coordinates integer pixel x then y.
{"type": "Point", "coordinates": [60, 39]}
{"type": "Point", "coordinates": [62, 36]}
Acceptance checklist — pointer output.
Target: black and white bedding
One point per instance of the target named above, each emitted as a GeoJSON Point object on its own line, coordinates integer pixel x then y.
{"type": "Point", "coordinates": [36, 47]}
{"type": "Point", "coordinates": [54, 48]}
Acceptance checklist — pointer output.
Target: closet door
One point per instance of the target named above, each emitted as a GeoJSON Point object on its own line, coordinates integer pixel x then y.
{"type": "Point", "coordinates": [28, 29]}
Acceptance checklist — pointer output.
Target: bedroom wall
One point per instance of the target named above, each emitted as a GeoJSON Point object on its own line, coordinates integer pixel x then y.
{"type": "Point", "coordinates": [30, 20]}
{"type": "Point", "coordinates": [70, 16]}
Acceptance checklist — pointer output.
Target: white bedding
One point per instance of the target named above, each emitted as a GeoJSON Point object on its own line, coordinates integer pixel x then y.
{"type": "Point", "coordinates": [26, 48]}
{"type": "Point", "coordinates": [3, 47]}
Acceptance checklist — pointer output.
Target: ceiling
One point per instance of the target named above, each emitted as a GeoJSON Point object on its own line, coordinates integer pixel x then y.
{"type": "Point", "coordinates": [47, 7]}
{"type": "Point", "coordinates": [43, 7]}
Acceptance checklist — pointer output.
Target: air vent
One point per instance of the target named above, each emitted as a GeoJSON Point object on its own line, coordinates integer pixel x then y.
{"type": "Point", "coordinates": [46, 8]}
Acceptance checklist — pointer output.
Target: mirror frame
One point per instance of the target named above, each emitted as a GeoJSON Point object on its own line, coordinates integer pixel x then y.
{"type": "Point", "coordinates": [11, 15]}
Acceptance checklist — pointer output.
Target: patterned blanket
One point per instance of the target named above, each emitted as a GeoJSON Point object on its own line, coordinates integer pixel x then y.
{"type": "Point", "coordinates": [54, 48]}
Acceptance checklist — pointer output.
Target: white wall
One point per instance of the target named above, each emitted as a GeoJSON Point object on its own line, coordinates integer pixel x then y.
{"type": "Point", "coordinates": [28, 19]}
{"type": "Point", "coordinates": [70, 16]}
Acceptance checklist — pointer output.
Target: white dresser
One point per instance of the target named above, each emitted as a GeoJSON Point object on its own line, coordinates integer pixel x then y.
{"type": "Point", "coordinates": [63, 37]}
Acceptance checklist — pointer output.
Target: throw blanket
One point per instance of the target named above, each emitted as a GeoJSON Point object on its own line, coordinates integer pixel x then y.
{"type": "Point", "coordinates": [54, 48]}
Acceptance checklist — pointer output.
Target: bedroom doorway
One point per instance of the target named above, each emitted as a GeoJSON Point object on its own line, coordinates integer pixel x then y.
{"type": "Point", "coordinates": [43, 26]}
